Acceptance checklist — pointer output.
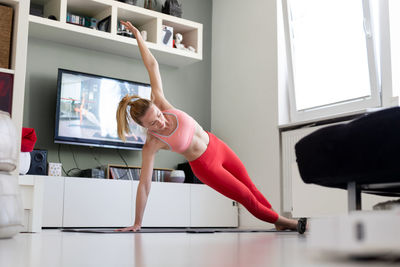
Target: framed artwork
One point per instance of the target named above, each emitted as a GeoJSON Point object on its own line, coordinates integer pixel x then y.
{"type": "Point", "coordinates": [6, 91]}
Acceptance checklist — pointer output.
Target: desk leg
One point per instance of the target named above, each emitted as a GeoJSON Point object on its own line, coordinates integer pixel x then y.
{"type": "Point", "coordinates": [353, 196]}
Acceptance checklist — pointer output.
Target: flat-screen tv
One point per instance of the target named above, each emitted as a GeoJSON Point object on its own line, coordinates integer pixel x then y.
{"type": "Point", "coordinates": [86, 110]}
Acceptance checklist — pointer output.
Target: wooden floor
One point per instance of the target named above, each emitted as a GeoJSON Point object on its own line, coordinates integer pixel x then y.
{"type": "Point", "coordinates": [54, 248]}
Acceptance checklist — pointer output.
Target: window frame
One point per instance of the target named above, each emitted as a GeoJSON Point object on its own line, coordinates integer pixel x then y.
{"type": "Point", "coordinates": [385, 56]}
{"type": "Point", "coordinates": [345, 107]}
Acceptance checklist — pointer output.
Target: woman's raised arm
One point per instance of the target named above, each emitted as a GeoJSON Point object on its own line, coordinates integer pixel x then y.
{"type": "Point", "coordinates": [151, 64]}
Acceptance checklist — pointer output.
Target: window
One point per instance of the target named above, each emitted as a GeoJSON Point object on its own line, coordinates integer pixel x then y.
{"type": "Point", "coordinates": [331, 61]}
{"type": "Point", "coordinates": [394, 8]}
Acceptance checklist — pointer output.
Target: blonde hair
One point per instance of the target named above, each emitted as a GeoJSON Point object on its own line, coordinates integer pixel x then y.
{"type": "Point", "coordinates": [137, 108]}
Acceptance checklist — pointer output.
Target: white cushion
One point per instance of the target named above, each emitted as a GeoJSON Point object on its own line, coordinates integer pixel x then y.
{"type": "Point", "coordinates": [24, 162]}
{"type": "Point", "coordinates": [8, 143]}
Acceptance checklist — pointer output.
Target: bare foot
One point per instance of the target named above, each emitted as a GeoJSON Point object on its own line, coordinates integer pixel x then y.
{"type": "Point", "coordinates": [280, 227]}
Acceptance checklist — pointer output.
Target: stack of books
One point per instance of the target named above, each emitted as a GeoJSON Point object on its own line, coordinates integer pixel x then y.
{"type": "Point", "coordinates": [81, 20]}
{"type": "Point", "coordinates": [133, 173]}
{"type": "Point", "coordinates": [124, 173]}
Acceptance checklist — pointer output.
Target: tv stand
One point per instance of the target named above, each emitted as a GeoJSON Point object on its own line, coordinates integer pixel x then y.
{"type": "Point", "coordinates": [91, 202]}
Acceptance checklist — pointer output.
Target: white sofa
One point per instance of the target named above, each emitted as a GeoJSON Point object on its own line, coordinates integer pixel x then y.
{"type": "Point", "coordinates": [11, 213]}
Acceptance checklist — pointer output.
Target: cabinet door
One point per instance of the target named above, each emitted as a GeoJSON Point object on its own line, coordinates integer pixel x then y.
{"type": "Point", "coordinates": [168, 205]}
{"type": "Point", "coordinates": [53, 201]}
{"type": "Point", "coordinates": [211, 209]}
{"type": "Point", "coordinates": [90, 202]}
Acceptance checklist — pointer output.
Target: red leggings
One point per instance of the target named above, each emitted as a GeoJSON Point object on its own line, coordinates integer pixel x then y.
{"type": "Point", "coordinates": [220, 168]}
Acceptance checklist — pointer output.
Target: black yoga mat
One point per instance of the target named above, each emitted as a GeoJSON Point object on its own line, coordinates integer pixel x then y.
{"type": "Point", "coordinates": [174, 230]}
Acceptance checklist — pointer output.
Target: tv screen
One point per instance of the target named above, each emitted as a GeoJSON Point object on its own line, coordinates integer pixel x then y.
{"type": "Point", "coordinates": [86, 110]}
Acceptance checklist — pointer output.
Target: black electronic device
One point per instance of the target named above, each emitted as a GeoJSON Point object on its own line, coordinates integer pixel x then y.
{"type": "Point", "coordinates": [38, 162]}
{"type": "Point", "coordinates": [36, 10]}
{"type": "Point", "coordinates": [172, 7]}
{"type": "Point", "coordinates": [104, 24]}
{"type": "Point", "coordinates": [167, 36]}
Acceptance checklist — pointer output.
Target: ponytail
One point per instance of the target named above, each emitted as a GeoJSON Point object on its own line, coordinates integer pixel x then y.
{"type": "Point", "coordinates": [137, 108]}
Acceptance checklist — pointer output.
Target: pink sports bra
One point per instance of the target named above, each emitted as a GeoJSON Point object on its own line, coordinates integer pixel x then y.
{"type": "Point", "coordinates": [180, 139]}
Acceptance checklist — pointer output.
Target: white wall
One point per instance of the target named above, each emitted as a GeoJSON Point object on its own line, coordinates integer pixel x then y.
{"type": "Point", "coordinates": [244, 91]}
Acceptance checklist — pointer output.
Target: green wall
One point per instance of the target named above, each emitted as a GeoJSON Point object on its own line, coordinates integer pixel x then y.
{"type": "Point", "coordinates": [255, 90]}
{"type": "Point", "coordinates": [187, 88]}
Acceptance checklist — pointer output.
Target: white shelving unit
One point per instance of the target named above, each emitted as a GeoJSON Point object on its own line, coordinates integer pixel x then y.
{"type": "Point", "coordinates": [7, 71]}
{"type": "Point", "coordinates": [110, 42]}
{"type": "Point", "coordinates": [31, 189]}
{"type": "Point", "coordinates": [66, 204]}
{"type": "Point", "coordinates": [19, 43]}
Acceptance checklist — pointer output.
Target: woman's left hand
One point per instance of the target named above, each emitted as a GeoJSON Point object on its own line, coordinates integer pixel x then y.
{"type": "Point", "coordinates": [130, 27]}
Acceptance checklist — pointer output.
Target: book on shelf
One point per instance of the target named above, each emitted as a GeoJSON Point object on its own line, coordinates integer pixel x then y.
{"type": "Point", "coordinates": [6, 25]}
{"type": "Point", "coordinates": [81, 20]}
{"type": "Point", "coordinates": [122, 172]}
{"type": "Point", "coordinates": [6, 91]}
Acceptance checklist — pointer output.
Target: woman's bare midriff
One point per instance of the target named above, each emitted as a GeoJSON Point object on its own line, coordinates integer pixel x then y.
{"type": "Point", "coordinates": [198, 145]}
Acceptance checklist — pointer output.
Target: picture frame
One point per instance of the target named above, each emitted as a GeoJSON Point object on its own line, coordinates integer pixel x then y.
{"type": "Point", "coordinates": [6, 91]}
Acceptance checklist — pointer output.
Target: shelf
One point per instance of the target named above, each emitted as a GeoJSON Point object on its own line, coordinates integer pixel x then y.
{"type": "Point", "coordinates": [7, 71]}
{"type": "Point", "coordinates": [110, 42]}
{"type": "Point", "coordinates": [88, 8]}
{"type": "Point", "coordinates": [11, 3]}
{"type": "Point", "coordinates": [17, 65]}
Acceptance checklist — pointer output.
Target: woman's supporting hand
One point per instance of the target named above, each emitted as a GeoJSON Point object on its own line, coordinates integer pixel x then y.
{"type": "Point", "coordinates": [130, 27]}
{"type": "Point", "coordinates": [133, 228]}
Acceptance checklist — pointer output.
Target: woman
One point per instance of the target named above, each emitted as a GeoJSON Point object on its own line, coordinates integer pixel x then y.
{"type": "Point", "coordinates": [211, 160]}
